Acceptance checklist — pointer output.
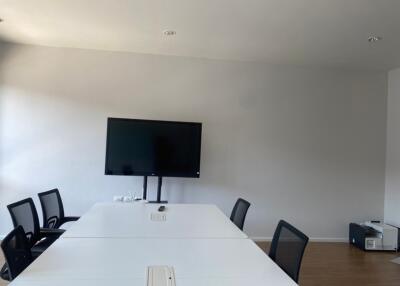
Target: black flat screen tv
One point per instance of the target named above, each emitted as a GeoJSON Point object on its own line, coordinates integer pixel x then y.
{"type": "Point", "coordinates": [137, 147]}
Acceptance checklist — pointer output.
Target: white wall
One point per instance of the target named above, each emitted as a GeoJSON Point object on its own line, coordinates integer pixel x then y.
{"type": "Point", "coordinates": [392, 193]}
{"type": "Point", "coordinates": [307, 145]}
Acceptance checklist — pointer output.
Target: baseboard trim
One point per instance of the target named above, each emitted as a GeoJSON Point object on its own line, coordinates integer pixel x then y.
{"type": "Point", "coordinates": [313, 239]}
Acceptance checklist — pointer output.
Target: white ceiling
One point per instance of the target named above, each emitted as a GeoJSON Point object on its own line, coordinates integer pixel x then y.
{"type": "Point", "coordinates": [302, 32]}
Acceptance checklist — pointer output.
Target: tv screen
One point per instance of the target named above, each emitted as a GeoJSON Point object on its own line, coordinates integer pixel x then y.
{"type": "Point", "coordinates": [137, 147]}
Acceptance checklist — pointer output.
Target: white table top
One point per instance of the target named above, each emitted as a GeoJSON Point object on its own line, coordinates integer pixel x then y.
{"type": "Point", "coordinates": [121, 261]}
{"type": "Point", "coordinates": [114, 243]}
{"type": "Point", "coordinates": [132, 220]}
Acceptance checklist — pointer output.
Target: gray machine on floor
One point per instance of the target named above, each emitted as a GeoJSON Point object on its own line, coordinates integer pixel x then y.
{"type": "Point", "coordinates": [374, 235]}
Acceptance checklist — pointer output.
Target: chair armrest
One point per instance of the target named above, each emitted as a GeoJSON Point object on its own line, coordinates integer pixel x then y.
{"type": "Point", "coordinates": [51, 232]}
{"type": "Point", "coordinates": [70, 218]}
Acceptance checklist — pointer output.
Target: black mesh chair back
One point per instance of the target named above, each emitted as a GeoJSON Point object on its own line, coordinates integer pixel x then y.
{"type": "Point", "coordinates": [287, 248]}
{"type": "Point", "coordinates": [52, 207]}
{"type": "Point", "coordinates": [24, 213]}
{"type": "Point", "coordinates": [239, 212]}
{"type": "Point", "coordinates": [16, 251]}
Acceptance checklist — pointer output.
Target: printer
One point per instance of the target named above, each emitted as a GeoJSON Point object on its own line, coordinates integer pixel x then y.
{"type": "Point", "coordinates": [374, 235]}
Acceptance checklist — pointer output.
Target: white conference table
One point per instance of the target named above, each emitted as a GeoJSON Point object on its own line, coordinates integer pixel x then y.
{"type": "Point", "coordinates": [95, 260]}
{"type": "Point", "coordinates": [132, 220]}
{"type": "Point", "coordinates": [90, 261]}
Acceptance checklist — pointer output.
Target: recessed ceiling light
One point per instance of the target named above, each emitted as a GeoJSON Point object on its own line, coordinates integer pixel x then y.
{"type": "Point", "coordinates": [169, 32]}
{"type": "Point", "coordinates": [374, 39]}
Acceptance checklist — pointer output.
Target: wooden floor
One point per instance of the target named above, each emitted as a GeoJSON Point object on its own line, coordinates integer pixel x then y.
{"type": "Point", "coordinates": [339, 264]}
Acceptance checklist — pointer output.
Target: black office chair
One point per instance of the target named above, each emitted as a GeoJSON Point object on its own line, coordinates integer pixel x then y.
{"type": "Point", "coordinates": [53, 209]}
{"type": "Point", "coordinates": [17, 253]}
{"type": "Point", "coordinates": [24, 213]}
{"type": "Point", "coordinates": [287, 248]}
{"type": "Point", "coordinates": [239, 212]}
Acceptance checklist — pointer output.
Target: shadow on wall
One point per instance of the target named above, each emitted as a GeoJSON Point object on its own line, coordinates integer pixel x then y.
{"type": "Point", "coordinates": [5, 50]}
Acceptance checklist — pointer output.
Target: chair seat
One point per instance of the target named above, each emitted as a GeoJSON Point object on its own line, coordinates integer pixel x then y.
{"type": "Point", "coordinates": [42, 245]}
